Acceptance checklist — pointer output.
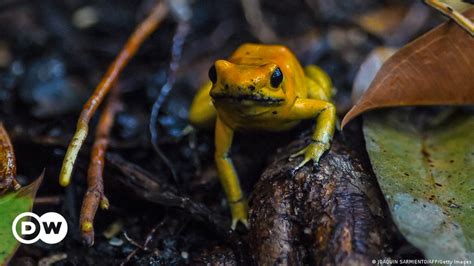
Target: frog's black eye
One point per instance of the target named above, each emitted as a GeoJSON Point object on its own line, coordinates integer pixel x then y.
{"type": "Point", "coordinates": [277, 78]}
{"type": "Point", "coordinates": [213, 74]}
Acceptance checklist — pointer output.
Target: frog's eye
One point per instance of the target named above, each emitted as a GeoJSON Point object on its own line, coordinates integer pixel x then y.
{"type": "Point", "coordinates": [213, 74]}
{"type": "Point", "coordinates": [277, 78]}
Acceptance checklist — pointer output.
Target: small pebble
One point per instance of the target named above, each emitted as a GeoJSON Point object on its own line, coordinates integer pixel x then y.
{"type": "Point", "coordinates": [116, 242]}
{"type": "Point", "coordinates": [85, 17]}
{"type": "Point", "coordinates": [307, 231]}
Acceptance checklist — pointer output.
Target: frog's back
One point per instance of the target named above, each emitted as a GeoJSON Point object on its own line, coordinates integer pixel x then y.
{"type": "Point", "coordinates": [260, 54]}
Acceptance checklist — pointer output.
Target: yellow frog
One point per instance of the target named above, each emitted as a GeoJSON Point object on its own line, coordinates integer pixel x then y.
{"type": "Point", "coordinates": [262, 87]}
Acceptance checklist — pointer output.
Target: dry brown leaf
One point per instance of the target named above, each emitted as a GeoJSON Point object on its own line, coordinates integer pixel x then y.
{"type": "Point", "coordinates": [435, 69]}
{"type": "Point", "coordinates": [7, 162]}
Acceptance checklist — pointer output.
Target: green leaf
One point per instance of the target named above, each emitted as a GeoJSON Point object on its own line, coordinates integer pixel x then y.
{"type": "Point", "coordinates": [11, 205]}
{"type": "Point", "coordinates": [426, 175]}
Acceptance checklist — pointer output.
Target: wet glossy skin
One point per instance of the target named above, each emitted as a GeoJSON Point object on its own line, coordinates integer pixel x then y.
{"type": "Point", "coordinates": [262, 87]}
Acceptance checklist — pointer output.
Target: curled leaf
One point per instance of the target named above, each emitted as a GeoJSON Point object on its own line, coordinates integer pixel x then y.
{"type": "Point", "coordinates": [435, 69]}
{"type": "Point", "coordinates": [7, 162]}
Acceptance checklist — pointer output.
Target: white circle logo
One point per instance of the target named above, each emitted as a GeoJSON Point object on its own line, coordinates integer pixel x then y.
{"type": "Point", "coordinates": [50, 228]}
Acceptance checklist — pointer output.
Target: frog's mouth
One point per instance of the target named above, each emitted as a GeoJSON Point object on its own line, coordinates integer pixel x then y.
{"type": "Point", "coordinates": [245, 98]}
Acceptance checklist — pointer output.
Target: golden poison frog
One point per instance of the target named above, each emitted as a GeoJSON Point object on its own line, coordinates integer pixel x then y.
{"type": "Point", "coordinates": [262, 87]}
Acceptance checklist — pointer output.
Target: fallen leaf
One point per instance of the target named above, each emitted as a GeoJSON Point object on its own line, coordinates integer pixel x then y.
{"type": "Point", "coordinates": [435, 69]}
{"type": "Point", "coordinates": [7, 161]}
{"type": "Point", "coordinates": [11, 205]}
{"type": "Point", "coordinates": [425, 173]}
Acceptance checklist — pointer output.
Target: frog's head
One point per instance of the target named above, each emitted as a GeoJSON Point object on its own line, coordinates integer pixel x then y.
{"type": "Point", "coordinates": [247, 85]}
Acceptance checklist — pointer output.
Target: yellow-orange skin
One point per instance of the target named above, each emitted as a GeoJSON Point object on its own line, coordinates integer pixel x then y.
{"type": "Point", "coordinates": [243, 99]}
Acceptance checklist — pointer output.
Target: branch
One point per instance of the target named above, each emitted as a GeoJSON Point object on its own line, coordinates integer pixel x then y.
{"type": "Point", "coordinates": [142, 32]}
{"type": "Point", "coordinates": [327, 214]}
{"type": "Point", "coordinates": [95, 183]}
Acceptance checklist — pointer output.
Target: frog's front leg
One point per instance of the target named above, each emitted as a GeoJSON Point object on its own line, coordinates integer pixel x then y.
{"type": "Point", "coordinates": [325, 114]}
{"type": "Point", "coordinates": [228, 175]}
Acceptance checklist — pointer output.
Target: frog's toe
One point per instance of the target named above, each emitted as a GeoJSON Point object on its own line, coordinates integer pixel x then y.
{"type": "Point", "coordinates": [243, 221]}
{"type": "Point", "coordinates": [313, 152]}
{"type": "Point", "coordinates": [239, 212]}
{"type": "Point", "coordinates": [299, 153]}
{"type": "Point", "coordinates": [302, 163]}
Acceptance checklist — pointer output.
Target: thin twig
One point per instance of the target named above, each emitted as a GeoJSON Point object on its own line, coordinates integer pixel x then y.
{"type": "Point", "coordinates": [129, 257]}
{"type": "Point", "coordinates": [151, 234]}
{"type": "Point", "coordinates": [133, 242]}
{"type": "Point", "coordinates": [136, 244]}
{"type": "Point", "coordinates": [447, 10]}
{"type": "Point", "coordinates": [176, 52]}
{"type": "Point", "coordinates": [7, 162]}
{"type": "Point", "coordinates": [144, 247]}
{"type": "Point", "coordinates": [48, 200]}
{"type": "Point", "coordinates": [149, 25]}
{"type": "Point", "coordinates": [158, 190]}
{"type": "Point", "coordinates": [95, 183]}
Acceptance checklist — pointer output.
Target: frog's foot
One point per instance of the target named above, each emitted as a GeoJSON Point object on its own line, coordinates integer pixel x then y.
{"type": "Point", "coordinates": [313, 151]}
{"type": "Point", "coordinates": [239, 211]}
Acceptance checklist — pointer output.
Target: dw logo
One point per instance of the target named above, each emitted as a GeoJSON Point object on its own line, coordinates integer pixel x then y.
{"type": "Point", "coordinates": [50, 228]}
